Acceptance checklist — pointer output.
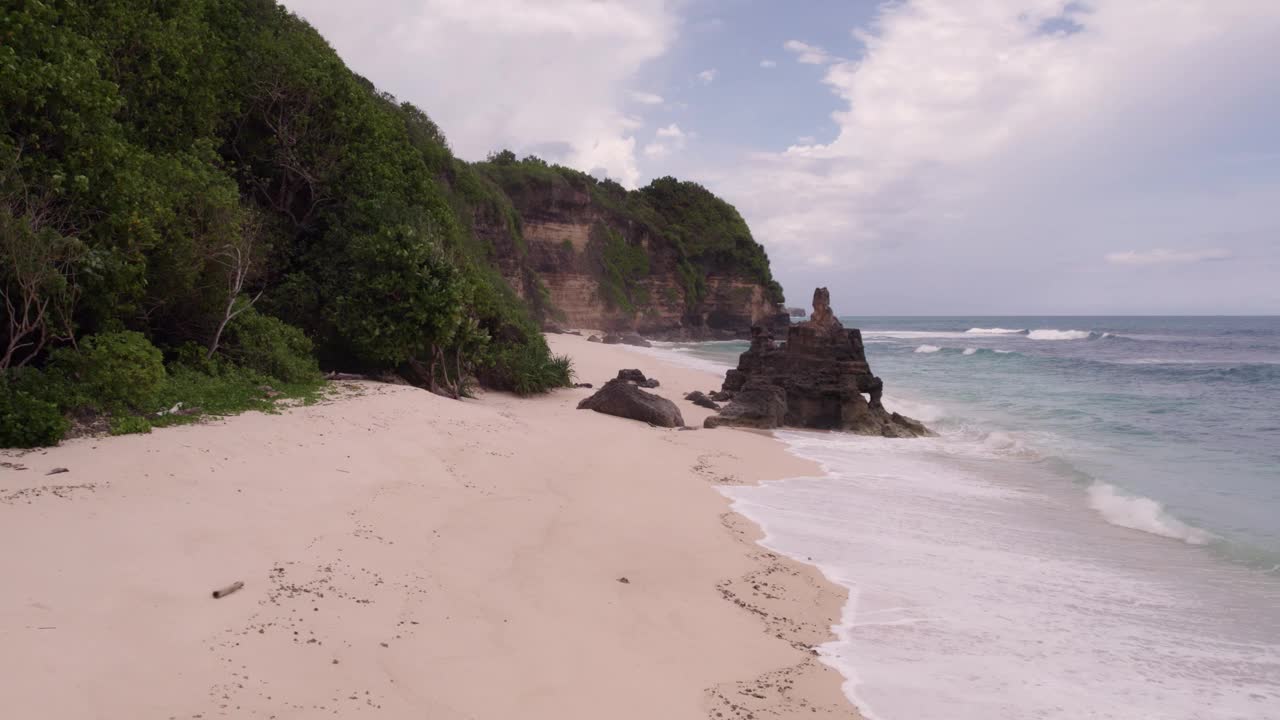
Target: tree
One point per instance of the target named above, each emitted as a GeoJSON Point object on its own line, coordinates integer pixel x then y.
{"type": "Point", "coordinates": [38, 252]}
{"type": "Point", "coordinates": [238, 259]}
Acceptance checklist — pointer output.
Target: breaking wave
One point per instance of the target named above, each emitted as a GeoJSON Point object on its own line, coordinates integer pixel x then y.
{"type": "Point", "coordinates": [995, 331]}
{"type": "Point", "coordinates": [928, 349]}
{"type": "Point", "coordinates": [1060, 335]}
{"type": "Point", "coordinates": [1142, 513]}
{"type": "Point", "coordinates": [970, 351]}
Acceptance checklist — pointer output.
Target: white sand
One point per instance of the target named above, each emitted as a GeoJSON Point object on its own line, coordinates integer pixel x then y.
{"type": "Point", "coordinates": [409, 556]}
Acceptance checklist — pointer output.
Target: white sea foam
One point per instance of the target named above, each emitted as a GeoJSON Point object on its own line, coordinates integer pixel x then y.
{"type": "Point", "coordinates": [922, 411]}
{"type": "Point", "coordinates": [1142, 513]}
{"type": "Point", "coordinates": [970, 351]}
{"type": "Point", "coordinates": [991, 592]}
{"type": "Point", "coordinates": [928, 349]}
{"type": "Point", "coordinates": [994, 331]}
{"type": "Point", "coordinates": [1003, 352]}
{"type": "Point", "coordinates": [1047, 334]}
{"type": "Point", "coordinates": [910, 334]}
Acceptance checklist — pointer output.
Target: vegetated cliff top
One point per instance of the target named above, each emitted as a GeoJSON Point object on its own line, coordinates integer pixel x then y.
{"type": "Point", "coordinates": [700, 227]}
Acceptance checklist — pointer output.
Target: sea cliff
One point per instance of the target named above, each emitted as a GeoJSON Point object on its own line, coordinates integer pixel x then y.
{"type": "Point", "coordinates": [668, 260]}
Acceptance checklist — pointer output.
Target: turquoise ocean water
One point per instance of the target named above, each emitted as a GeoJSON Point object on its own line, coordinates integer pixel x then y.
{"type": "Point", "coordinates": [1095, 533]}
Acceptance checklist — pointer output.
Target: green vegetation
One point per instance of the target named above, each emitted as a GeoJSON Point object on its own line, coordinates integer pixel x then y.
{"type": "Point", "coordinates": [701, 233]}
{"type": "Point", "coordinates": [199, 200]}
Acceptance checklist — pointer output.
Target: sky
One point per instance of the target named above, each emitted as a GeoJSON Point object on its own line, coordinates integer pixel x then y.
{"type": "Point", "coordinates": [915, 156]}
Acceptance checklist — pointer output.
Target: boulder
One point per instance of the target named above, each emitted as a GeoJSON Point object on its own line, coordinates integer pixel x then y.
{"type": "Point", "coordinates": [720, 395]}
{"type": "Point", "coordinates": [632, 375]}
{"type": "Point", "coordinates": [699, 398]}
{"type": "Point", "coordinates": [594, 338]}
{"type": "Point", "coordinates": [637, 377]}
{"type": "Point", "coordinates": [819, 378]}
{"type": "Point", "coordinates": [626, 338]}
{"type": "Point", "coordinates": [624, 399]}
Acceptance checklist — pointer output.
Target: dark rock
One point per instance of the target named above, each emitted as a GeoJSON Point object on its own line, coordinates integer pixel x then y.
{"type": "Point", "coordinates": [699, 398]}
{"type": "Point", "coordinates": [632, 375]}
{"type": "Point", "coordinates": [650, 383]}
{"type": "Point", "coordinates": [624, 399]}
{"type": "Point", "coordinates": [757, 405]}
{"type": "Point", "coordinates": [57, 471]}
{"type": "Point", "coordinates": [819, 378]}
{"type": "Point", "coordinates": [720, 395]}
{"type": "Point", "coordinates": [594, 338]}
{"type": "Point", "coordinates": [624, 580]}
{"type": "Point", "coordinates": [626, 338]}
{"type": "Point", "coordinates": [583, 385]}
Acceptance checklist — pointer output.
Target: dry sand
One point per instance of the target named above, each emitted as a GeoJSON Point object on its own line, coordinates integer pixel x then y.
{"type": "Point", "coordinates": [408, 556]}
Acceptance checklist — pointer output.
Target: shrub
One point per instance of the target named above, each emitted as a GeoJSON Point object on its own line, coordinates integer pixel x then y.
{"type": "Point", "coordinates": [120, 371]}
{"type": "Point", "coordinates": [527, 369]}
{"type": "Point", "coordinates": [130, 425]}
{"type": "Point", "coordinates": [272, 347]}
{"type": "Point", "coordinates": [27, 421]}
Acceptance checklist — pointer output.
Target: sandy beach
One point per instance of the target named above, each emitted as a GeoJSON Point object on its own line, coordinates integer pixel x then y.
{"type": "Point", "coordinates": [405, 556]}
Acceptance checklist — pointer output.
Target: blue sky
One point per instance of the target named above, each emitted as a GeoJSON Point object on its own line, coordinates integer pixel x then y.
{"type": "Point", "coordinates": [917, 156]}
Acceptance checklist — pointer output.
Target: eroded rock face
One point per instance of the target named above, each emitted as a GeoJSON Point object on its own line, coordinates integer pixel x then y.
{"type": "Point", "coordinates": [819, 378]}
{"type": "Point", "coordinates": [623, 398]}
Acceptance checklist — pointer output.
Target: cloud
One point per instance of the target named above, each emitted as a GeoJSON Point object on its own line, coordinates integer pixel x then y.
{"type": "Point", "coordinates": [509, 73]}
{"type": "Point", "coordinates": [645, 98]}
{"type": "Point", "coordinates": [1162, 256]}
{"type": "Point", "coordinates": [768, 64]}
{"type": "Point", "coordinates": [671, 131]}
{"type": "Point", "coordinates": [706, 77]}
{"type": "Point", "coordinates": [808, 54]}
{"type": "Point", "coordinates": [983, 147]}
{"type": "Point", "coordinates": [670, 138]}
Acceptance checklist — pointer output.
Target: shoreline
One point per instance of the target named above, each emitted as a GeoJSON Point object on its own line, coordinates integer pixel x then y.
{"type": "Point", "coordinates": [402, 553]}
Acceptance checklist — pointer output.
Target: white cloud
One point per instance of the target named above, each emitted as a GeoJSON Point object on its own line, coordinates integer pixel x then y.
{"type": "Point", "coordinates": [545, 76]}
{"type": "Point", "coordinates": [671, 131]}
{"type": "Point", "coordinates": [768, 64]}
{"type": "Point", "coordinates": [808, 54]}
{"type": "Point", "coordinates": [708, 76]}
{"type": "Point", "coordinates": [1163, 256]}
{"type": "Point", "coordinates": [668, 139]}
{"type": "Point", "coordinates": [645, 98]}
{"type": "Point", "coordinates": [973, 143]}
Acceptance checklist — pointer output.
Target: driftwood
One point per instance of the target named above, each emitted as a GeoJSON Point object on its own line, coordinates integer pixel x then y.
{"type": "Point", "coordinates": [347, 376]}
{"type": "Point", "coordinates": [57, 471]}
{"type": "Point", "coordinates": [223, 592]}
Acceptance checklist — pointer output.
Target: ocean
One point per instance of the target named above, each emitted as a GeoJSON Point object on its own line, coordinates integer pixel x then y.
{"type": "Point", "coordinates": [1095, 533]}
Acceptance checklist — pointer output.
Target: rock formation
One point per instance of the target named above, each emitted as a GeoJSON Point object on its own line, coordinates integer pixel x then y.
{"type": "Point", "coordinates": [816, 379]}
{"type": "Point", "coordinates": [623, 398]}
{"type": "Point", "coordinates": [626, 338]}
{"type": "Point", "coordinates": [637, 377]}
{"type": "Point", "coordinates": [597, 261]}
{"type": "Point", "coordinates": [699, 398]}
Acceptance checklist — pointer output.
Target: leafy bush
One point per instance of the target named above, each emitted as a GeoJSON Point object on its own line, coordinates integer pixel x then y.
{"type": "Point", "coordinates": [27, 421]}
{"type": "Point", "coordinates": [120, 371]}
{"type": "Point", "coordinates": [527, 370]}
{"type": "Point", "coordinates": [130, 425]}
{"type": "Point", "coordinates": [272, 347]}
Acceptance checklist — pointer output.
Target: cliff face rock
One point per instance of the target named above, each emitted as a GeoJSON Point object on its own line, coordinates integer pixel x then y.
{"type": "Point", "coordinates": [816, 379]}
{"type": "Point", "coordinates": [670, 260]}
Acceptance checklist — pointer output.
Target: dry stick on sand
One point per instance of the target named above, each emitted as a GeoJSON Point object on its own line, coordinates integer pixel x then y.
{"type": "Point", "coordinates": [223, 592]}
